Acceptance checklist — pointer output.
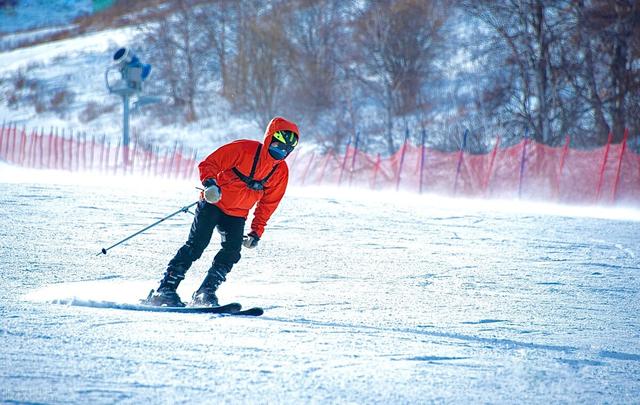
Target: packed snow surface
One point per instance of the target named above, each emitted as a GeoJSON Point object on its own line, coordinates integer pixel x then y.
{"type": "Point", "coordinates": [369, 297]}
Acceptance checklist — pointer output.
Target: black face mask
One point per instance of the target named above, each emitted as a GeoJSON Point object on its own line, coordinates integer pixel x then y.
{"type": "Point", "coordinates": [279, 150]}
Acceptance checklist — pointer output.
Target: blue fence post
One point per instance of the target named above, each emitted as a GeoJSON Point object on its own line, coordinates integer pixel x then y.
{"type": "Point", "coordinates": [460, 158]}
{"type": "Point", "coordinates": [353, 159]}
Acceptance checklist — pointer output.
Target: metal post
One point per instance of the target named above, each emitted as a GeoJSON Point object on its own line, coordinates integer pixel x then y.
{"type": "Point", "coordinates": [125, 129]}
{"type": "Point", "coordinates": [402, 154]}
{"type": "Point", "coordinates": [460, 158]}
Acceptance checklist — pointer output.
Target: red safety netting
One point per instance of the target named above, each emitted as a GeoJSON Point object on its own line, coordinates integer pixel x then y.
{"type": "Point", "coordinates": [55, 150]}
{"type": "Point", "coordinates": [526, 170]}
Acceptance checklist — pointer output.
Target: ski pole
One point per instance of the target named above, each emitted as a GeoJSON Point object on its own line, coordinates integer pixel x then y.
{"type": "Point", "coordinates": [183, 209]}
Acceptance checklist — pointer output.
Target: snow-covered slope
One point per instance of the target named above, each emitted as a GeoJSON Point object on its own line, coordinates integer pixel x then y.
{"type": "Point", "coordinates": [369, 298]}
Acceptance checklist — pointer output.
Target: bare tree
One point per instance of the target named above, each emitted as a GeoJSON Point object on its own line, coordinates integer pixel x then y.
{"type": "Point", "coordinates": [219, 21]}
{"type": "Point", "coordinates": [266, 51]}
{"type": "Point", "coordinates": [315, 31]}
{"type": "Point", "coordinates": [528, 31]}
{"type": "Point", "coordinates": [573, 64]}
{"type": "Point", "coordinates": [589, 69]}
{"type": "Point", "coordinates": [180, 56]}
{"type": "Point", "coordinates": [397, 41]}
{"type": "Point", "coordinates": [615, 27]}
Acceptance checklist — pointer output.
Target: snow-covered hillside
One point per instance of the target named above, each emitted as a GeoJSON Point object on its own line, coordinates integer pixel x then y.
{"type": "Point", "coordinates": [31, 77]}
{"type": "Point", "coordinates": [32, 14]}
{"type": "Point", "coordinates": [369, 299]}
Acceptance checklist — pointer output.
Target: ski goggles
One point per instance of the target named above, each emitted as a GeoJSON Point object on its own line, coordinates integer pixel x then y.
{"type": "Point", "coordinates": [289, 138]}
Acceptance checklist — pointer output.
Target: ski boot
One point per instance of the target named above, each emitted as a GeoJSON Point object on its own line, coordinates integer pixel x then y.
{"type": "Point", "coordinates": [206, 294]}
{"type": "Point", "coordinates": [166, 295]}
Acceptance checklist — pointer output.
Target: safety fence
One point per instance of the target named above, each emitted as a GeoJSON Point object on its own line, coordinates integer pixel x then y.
{"type": "Point", "coordinates": [605, 175]}
{"type": "Point", "coordinates": [78, 152]}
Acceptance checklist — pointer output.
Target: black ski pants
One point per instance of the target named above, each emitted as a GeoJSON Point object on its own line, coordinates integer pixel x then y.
{"type": "Point", "coordinates": [207, 217]}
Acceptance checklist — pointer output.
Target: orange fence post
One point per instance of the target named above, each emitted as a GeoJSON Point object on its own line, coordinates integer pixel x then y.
{"type": "Point", "coordinates": [402, 154]}
{"type": "Point", "coordinates": [622, 149]}
{"type": "Point", "coordinates": [422, 156]}
{"type": "Point", "coordinates": [602, 167]}
{"type": "Point", "coordinates": [487, 177]}
{"type": "Point", "coordinates": [34, 148]}
{"type": "Point", "coordinates": [23, 144]}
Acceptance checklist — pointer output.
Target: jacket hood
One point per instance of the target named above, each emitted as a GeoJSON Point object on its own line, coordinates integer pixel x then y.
{"type": "Point", "coordinates": [277, 124]}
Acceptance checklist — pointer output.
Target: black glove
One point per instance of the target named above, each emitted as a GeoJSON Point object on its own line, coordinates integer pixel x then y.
{"type": "Point", "coordinates": [251, 240]}
{"type": "Point", "coordinates": [209, 182]}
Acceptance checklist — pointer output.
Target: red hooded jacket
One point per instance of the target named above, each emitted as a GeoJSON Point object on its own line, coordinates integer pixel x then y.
{"type": "Point", "coordinates": [237, 198]}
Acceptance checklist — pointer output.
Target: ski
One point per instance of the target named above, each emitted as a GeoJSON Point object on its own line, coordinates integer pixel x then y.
{"type": "Point", "coordinates": [231, 308]}
{"type": "Point", "coordinates": [255, 311]}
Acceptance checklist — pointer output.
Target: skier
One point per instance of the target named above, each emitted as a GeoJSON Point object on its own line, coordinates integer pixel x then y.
{"type": "Point", "coordinates": [236, 177]}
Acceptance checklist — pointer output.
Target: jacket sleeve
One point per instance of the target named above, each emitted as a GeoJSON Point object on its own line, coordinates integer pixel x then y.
{"type": "Point", "coordinates": [270, 200]}
{"type": "Point", "coordinates": [223, 158]}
